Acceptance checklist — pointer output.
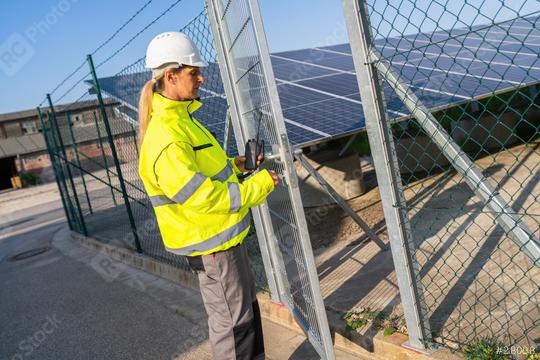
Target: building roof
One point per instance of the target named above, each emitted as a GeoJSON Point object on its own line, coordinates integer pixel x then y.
{"type": "Point", "coordinates": [32, 113]}
{"type": "Point", "coordinates": [28, 144]}
{"type": "Point", "coordinates": [21, 145]}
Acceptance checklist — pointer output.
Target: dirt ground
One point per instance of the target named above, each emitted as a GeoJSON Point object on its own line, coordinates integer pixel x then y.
{"type": "Point", "coordinates": [476, 281]}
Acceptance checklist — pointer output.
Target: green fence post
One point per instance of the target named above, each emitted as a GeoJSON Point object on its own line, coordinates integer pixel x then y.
{"type": "Point", "coordinates": [70, 175]}
{"type": "Point", "coordinates": [105, 162]}
{"type": "Point", "coordinates": [54, 166]}
{"type": "Point", "coordinates": [114, 154]}
{"type": "Point", "coordinates": [61, 173]}
{"type": "Point", "coordinates": [76, 150]}
{"type": "Point", "coordinates": [134, 134]}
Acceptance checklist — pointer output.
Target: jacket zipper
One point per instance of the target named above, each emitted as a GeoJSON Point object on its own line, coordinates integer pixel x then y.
{"type": "Point", "coordinates": [193, 121]}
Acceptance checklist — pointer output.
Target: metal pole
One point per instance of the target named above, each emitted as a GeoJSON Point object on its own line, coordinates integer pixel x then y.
{"type": "Point", "coordinates": [105, 162]}
{"type": "Point", "coordinates": [519, 232]}
{"type": "Point", "coordinates": [114, 154]}
{"type": "Point", "coordinates": [228, 132]}
{"type": "Point", "coordinates": [80, 217]}
{"type": "Point", "coordinates": [349, 143]}
{"type": "Point", "coordinates": [134, 134]}
{"type": "Point", "coordinates": [76, 150]}
{"type": "Point", "coordinates": [61, 174]}
{"type": "Point", "coordinates": [54, 166]}
{"type": "Point", "coordinates": [388, 177]}
{"type": "Point", "coordinates": [339, 200]}
{"type": "Point", "coordinates": [290, 172]}
{"type": "Point", "coordinates": [265, 234]}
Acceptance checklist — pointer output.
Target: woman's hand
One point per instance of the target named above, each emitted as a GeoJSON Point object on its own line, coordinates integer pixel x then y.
{"type": "Point", "coordinates": [240, 162]}
{"type": "Point", "coordinates": [275, 177]}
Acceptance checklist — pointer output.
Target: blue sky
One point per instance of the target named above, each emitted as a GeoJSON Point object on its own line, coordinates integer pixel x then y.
{"type": "Point", "coordinates": [57, 35]}
{"type": "Point", "coordinates": [54, 36]}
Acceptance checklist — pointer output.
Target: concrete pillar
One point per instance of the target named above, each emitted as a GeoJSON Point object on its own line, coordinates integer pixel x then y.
{"type": "Point", "coordinates": [343, 173]}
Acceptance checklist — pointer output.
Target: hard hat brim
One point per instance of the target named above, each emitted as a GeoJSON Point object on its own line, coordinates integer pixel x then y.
{"type": "Point", "coordinates": [201, 63]}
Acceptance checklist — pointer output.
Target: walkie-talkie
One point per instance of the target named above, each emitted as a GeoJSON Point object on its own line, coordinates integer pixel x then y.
{"type": "Point", "coordinates": [254, 148]}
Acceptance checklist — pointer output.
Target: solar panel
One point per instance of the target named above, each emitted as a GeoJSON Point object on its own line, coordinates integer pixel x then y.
{"type": "Point", "coordinates": [318, 87]}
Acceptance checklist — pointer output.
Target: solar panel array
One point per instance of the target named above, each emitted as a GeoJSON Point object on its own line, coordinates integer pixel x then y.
{"type": "Point", "coordinates": [318, 87]}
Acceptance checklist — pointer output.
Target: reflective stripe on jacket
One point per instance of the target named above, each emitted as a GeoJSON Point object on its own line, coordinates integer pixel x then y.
{"type": "Point", "coordinates": [200, 206]}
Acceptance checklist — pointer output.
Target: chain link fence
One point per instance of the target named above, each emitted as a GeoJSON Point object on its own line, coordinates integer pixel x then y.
{"type": "Point", "coordinates": [256, 114]}
{"type": "Point", "coordinates": [93, 146]}
{"type": "Point", "coordinates": [467, 157]}
{"type": "Point", "coordinates": [468, 161]}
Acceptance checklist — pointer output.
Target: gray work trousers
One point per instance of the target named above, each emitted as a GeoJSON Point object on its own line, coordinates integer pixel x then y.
{"type": "Point", "coordinates": [228, 290]}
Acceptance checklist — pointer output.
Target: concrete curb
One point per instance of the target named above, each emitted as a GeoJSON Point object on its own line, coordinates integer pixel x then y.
{"type": "Point", "coordinates": [384, 347]}
{"type": "Point", "coordinates": [139, 261]}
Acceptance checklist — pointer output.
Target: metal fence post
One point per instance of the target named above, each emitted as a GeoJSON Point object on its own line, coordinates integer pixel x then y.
{"type": "Point", "coordinates": [55, 168]}
{"type": "Point", "coordinates": [80, 216]}
{"type": "Point", "coordinates": [76, 150]}
{"type": "Point", "coordinates": [114, 154]}
{"type": "Point", "coordinates": [388, 176]}
{"type": "Point", "coordinates": [290, 174]}
{"type": "Point", "coordinates": [105, 162]}
{"type": "Point", "coordinates": [61, 175]}
{"type": "Point", "coordinates": [265, 234]}
{"type": "Point", "coordinates": [134, 134]}
{"type": "Point", "coordinates": [60, 171]}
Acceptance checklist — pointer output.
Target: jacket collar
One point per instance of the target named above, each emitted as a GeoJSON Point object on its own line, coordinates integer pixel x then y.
{"type": "Point", "coordinates": [161, 103]}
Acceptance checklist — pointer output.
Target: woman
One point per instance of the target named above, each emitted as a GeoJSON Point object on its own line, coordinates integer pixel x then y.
{"type": "Point", "coordinates": [201, 208]}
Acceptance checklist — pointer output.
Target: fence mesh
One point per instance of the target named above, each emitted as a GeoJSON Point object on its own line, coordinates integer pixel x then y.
{"type": "Point", "coordinates": [260, 118]}
{"type": "Point", "coordinates": [475, 65]}
{"type": "Point", "coordinates": [95, 151]}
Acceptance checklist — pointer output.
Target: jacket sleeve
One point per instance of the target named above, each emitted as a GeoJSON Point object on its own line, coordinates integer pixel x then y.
{"type": "Point", "coordinates": [178, 176]}
{"type": "Point", "coordinates": [235, 168]}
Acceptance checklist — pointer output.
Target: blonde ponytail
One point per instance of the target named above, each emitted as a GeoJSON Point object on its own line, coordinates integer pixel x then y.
{"type": "Point", "coordinates": [145, 107]}
{"type": "Point", "coordinates": [147, 93]}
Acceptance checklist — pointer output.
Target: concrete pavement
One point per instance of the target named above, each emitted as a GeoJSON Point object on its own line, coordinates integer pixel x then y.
{"type": "Point", "coordinates": [71, 302]}
{"type": "Point", "coordinates": [62, 305]}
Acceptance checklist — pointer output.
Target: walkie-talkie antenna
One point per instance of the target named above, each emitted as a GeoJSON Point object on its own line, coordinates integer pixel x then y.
{"type": "Point", "coordinates": [259, 125]}
{"type": "Point", "coordinates": [253, 147]}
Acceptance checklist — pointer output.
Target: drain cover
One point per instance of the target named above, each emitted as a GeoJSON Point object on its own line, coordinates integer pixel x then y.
{"type": "Point", "coordinates": [29, 253]}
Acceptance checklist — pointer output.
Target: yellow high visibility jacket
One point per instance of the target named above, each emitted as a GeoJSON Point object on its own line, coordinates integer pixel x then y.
{"type": "Point", "coordinates": [200, 206]}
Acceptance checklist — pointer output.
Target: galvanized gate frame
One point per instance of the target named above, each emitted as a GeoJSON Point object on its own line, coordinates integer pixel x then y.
{"type": "Point", "coordinates": [272, 259]}
{"type": "Point", "coordinates": [388, 176]}
{"type": "Point", "coordinates": [265, 235]}
{"type": "Point", "coordinates": [369, 64]}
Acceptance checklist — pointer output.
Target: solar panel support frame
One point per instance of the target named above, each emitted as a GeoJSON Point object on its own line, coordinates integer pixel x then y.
{"type": "Point", "coordinates": [388, 176]}
{"type": "Point", "coordinates": [340, 201]}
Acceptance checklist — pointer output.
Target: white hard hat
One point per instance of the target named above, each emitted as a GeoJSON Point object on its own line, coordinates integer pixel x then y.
{"type": "Point", "coordinates": [172, 47]}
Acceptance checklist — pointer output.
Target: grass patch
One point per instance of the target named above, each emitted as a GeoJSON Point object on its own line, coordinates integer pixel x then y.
{"type": "Point", "coordinates": [390, 322]}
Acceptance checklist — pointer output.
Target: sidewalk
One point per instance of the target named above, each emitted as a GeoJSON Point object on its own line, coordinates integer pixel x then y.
{"type": "Point", "coordinates": [280, 342]}
{"type": "Point", "coordinates": [460, 254]}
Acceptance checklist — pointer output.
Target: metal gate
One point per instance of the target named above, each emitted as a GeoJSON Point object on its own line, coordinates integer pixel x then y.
{"type": "Point", "coordinates": [498, 211]}
{"type": "Point", "coordinates": [255, 108]}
